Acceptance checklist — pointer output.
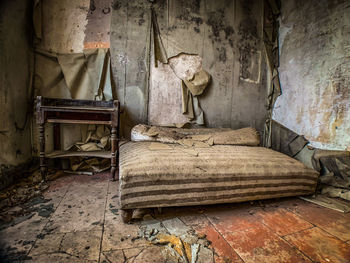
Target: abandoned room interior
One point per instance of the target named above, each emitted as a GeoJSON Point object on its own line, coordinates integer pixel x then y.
{"type": "Point", "coordinates": [189, 131]}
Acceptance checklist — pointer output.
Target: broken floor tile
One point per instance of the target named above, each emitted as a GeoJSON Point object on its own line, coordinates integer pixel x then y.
{"type": "Point", "coordinates": [112, 256]}
{"type": "Point", "coordinates": [17, 240]}
{"type": "Point", "coordinates": [131, 253]}
{"type": "Point", "coordinates": [118, 235]}
{"type": "Point", "coordinates": [205, 255]}
{"type": "Point", "coordinates": [47, 244]}
{"type": "Point", "coordinates": [84, 245]}
{"type": "Point", "coordinates": [55, 257]}
{"type": "Point", "coordinates": [233, 219]}
{"type": "Point", "coordinates": [315, 214]}
{"type": "Point", "coordinates": [223, 251]}
{"type": "Point", "coordinates": [195, 220]}
{"type": "Point", "coordinates": [336, 223]}
{"type": "Point", "coordinates": [339, 228]}
{"type": "Point", "coordinates": [176, 227]}
{"type": "Point", "coordinates": [58, 189]}
{"type": "Point", "coordinates": [282, 221]}
{"type": "Point", "coordinates": [320, 246]}
{"type": "Point", "coordinates": [260, 244]}
{"type": "Point", "coordinates": [78, 210]}
{"type": "Point", "coordinates": [151, 254]}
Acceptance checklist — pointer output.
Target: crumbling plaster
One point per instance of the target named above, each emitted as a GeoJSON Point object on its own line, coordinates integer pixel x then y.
{"type": "Point", "coordinates": [226, 37]}
{"type": "Point", "coordinates": [315, 71]}
{"type": "Point", "coordinates": [63, 25]}
{"type": "Point", "coordinates": [15, 79]}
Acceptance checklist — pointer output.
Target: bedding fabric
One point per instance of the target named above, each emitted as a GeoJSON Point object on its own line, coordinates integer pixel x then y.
{"type": "Point", "coordinates": [155, 174]}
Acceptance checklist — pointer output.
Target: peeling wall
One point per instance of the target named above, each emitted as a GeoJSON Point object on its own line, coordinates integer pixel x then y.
{"type": "Point", "coordinates": [98, 27]}
{"type": "Point", "coordinates": [315, 71]}
{"type": "Point", "coordinates": [15, 61]}
{"type": "Point", "coordinates": [64, 23]}
{"type": "Point", "coordinates": [226, 37]}
{"type": "Point", "coordinates": [68, 27]}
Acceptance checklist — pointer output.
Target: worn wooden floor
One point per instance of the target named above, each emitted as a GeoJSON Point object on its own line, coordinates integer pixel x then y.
{"type": "Point", "coordinates": [79, 222]}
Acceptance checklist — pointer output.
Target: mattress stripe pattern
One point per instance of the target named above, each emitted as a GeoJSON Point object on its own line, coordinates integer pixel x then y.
{"type": "Point", "coordinates": [219, 174]}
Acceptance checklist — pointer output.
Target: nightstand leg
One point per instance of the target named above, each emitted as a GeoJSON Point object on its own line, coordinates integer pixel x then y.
{"type": "Point", "coordinates": [114, 153]}
{"type": "Point", "coordinates": [42, 151]}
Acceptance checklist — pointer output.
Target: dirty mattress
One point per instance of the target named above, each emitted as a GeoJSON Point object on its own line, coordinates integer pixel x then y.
{"type": "Point", "coordinates": [154, 174]}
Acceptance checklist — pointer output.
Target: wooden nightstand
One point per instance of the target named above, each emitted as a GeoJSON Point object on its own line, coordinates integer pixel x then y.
{"type": "Point", "coordinates": [79, 112]}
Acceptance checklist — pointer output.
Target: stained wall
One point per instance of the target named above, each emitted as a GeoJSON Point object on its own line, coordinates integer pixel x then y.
{"type": "Point", "coordinates": [315, 71]}
{"type": "Point", "coordinates": [225, 35]}
{"type": "Point", "coordinates": [15, 82]}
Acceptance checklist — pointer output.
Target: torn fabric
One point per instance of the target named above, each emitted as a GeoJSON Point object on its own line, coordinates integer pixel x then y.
{"type": "Point", "coordinates": [37, 18]}
{"type": "Point", "coordinates": [286, 141]}
{"type": "Point", "coordinates": [187, 102]}
{"type": "Point", "coordinates": [74, 76]}
{"type": "Point", "coordinates": [189, 87]}
{"type": "Point", "coordinates": [158, 47]}
{"type": "Point", "coordinates": [270, 28]}
{"type": "Point", "coordinates": [198, 82]}
{"type": "Point", "coordinates": [204, 137]}
{"type": "Point", "coordinates": [190, 90]}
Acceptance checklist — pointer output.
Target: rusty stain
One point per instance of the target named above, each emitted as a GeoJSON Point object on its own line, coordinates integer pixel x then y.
{"type": "Point", "coordinates": [223, 252]}
{"type": "Point", "coordinates": [320, 246]}
{"type": "Point", "coordinates": [92, 45]}
{"type": "Point", "coordinates": [317, 83]}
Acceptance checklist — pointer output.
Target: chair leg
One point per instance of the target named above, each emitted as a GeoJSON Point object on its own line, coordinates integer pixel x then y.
{"type": "Point", "coordinates": [42, 151]}
{"type": "Point", "coordinates": [114, 152]}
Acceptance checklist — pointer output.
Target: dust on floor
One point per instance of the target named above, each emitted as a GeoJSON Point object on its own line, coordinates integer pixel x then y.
{"type": "Point", "coordinates": [77, 220]}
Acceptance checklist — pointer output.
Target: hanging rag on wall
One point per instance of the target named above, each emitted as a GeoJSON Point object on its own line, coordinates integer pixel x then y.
{"type": "Point", "coordinates": [84, 75]}
{"type": "Point", "coordinates": [158, 47]}
{"type": "Point", "coordinates": [191, 88]}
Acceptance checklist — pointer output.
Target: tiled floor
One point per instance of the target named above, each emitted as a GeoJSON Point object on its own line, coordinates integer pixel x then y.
{"type": "Point", "coordinates": [78, 221]}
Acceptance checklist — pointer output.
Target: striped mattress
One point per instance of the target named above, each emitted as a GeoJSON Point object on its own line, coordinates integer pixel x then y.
{"type": "Point", "coordinates": [155, 174]}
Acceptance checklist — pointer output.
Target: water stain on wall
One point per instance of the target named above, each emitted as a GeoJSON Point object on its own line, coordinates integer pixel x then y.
{"type": "Point", "coordinates": [315, 72]}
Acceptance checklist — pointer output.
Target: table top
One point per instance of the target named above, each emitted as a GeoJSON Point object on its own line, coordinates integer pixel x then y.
{"type": "Point", "coordinates": [52, 104]}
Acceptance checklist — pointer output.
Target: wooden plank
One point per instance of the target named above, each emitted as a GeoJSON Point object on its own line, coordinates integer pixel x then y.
{"type": "Point", "coordinates": [78, 121]}
{"type": "Point", "coordinates": [75, 103]}
{"type": "Point", "coordinates": [328, 202]}
{"type": "Point", "coordinates": [77, 109]}
{"type": "Point", "coordinates": [60, 154]}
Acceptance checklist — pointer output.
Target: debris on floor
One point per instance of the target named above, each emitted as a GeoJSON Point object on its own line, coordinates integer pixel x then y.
{"type": "Point", "coordinates": [77, 219]}
{"type": "Point", "coordinates": [12, 197]}
{"type": "Point", "coordinates": [331, 203]}
{"type": "Point", "coordinates": [180, 243]}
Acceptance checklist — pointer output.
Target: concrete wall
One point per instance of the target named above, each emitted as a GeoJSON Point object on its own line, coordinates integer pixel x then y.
{"type": "Point", "coordinates": [15, 60]}
{"type": "Point", "coordinates": [224, 34]}
{"type": "Point", "coordinates": [315, 71]}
